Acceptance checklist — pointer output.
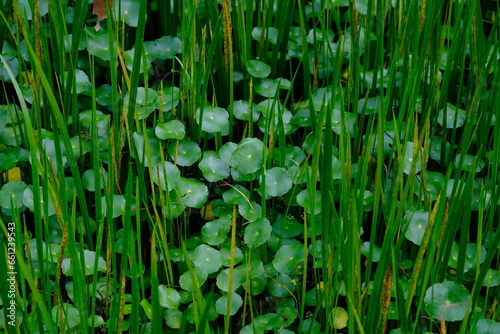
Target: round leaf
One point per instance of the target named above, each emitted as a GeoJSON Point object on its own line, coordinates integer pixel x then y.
{"type": "Point", "coordinates": [257, 232]}
{"type": "Point", "coordinates": [447, 117]}
{"type": "Point", "coordinates": [166, 175]}
{"type": "Point", "coordinates": [118, 202]}
{"type": "Point", "coordinates": [206, 258]}
{"type": "Point", "coordinates": [29, 200]}
{"type": "Point", "coordinates": [170, 130]}
{"type": "Point", "coordinates": [468, 163]}
{"type": "Point", "coordinates": [185, 152]}
{"type": "Point", "coordinates": [173, 318]}
{"type": "Point", "coordinates": [243, 111]}
{"type": "Point", "coordinates": [222, 303]}
{"type": "Point", "coordinates": [192, 193]}
{"type": "Point", "coordinates": [247, 158]}
{"type": "Point", "coordinates": [168, 297]}
{"type": "Point", "coordinates": [278, 182]}
{"type": "Point", "coordinates": [186, 280]}
{"type": "Point", "coordinates": [214, 119]}
{"type": "Point", "coordinates": [129, 11]}
{"type": "Point", "coordinates": [213, 168]}
{"type": "Point", "coordinates": [287, 257]}
{"type": "Point", "coordinates": [236, 195]}
{"type": "Point", "coordinates": [169, 47]}
{"type": "Point", "coordinates": [168, 98]}
{"type": "Point", "coordinates": [14, 191]}
{"type": "Point", "coordinates": [71, 315]}
{"type": "Point", "coordinates": [471, 257]}
{"type": "Point", "coordinates": [223, 280]}
{"type": "Point", "coordinates": [417, 223]}
{"type": "Point", "coordinates": [89, 260]}
{"type": "Point", "coordinates": [250, 211]}
{"type": "Point", "coordinates": [339, 317]}
{"type": "Point", "coordinates": [304, 200]}
{"type": "Point", "coordinates": [98, 45]}
{"type": "Point", "coordinates": [447, 300]}
{"type": "Point", "coordinates": [215, 232]}
{"type": "Point", "coordinates": [287, 227]}
{"type": "Point", "coordinates": [258, 69]}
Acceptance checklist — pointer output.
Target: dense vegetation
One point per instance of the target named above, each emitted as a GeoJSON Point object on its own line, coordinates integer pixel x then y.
{"type": "Point", "coordinates": [263, 166]}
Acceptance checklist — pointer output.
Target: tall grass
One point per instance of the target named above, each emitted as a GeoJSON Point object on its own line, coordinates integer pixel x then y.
{"type": "Point", "coordinates": [385, 76]}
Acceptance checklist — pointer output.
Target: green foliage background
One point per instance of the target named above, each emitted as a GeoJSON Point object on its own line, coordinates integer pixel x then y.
{"type": "Point", "coordinates": [248, 166]}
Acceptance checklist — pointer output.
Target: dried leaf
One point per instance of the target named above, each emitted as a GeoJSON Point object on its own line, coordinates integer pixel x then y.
{"type": "Point", "coordinates": [99, 9]}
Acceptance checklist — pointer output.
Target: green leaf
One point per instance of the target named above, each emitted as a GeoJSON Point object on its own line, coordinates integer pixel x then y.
{"type": "Point", "coordinates": [213, 168]}
{"type": "Point", "coordinates": [206, 258]}
{"type": "Point", "coordinates": [310, 326]}
{"type": "Point", "coordinates": [168, 98]}
{"type": "Point", "coordinates": [98, 44]}
{"type": "Point", "coordinates": [416, 220]}
{"type": "Point", "coordinates": [70, 313]}
{"type": "Point", "coordinates": [287, 257]}
{"type": "Point", "coordinates": [88, 179]}
{"type": "Point", "coordinates": [247, 158]}
{"type": "Point", "coordinates": [311, 207]}
{"type": "Point", "coordinates": [166, 175]}
{"type": "Point", "coordinates": [186, 280]}
{"type": "Point", "coordinates": [485, 326]}
{"type": "Point", "coordinates": [250, 211]}
{"type": "Point", "coordinates": [168, 47]}
{"type": "Point", "coordinates": [96, 321]}
{"type": "Point", "coordinates": [191, 192]}
{"type": "Point", "coordinates": [242, 110]}
{"type": "Point", "coordinates": [222, 302]}
{"type": "Point", "coordinates": [468, 163]}
{"type": "Point", "coordinates": [267, 87]}
{"type": "Point", "coordinates": [119, 203]}
{"type": "Point", "coordinates": [280, 286]}
{"type": "Point", "coordinates": [471, 257]}
{"type": "Point", "coordinates": [258, 69]}
{"type": "Point", "coordinates": [215, 232]}
{"type": "Point", "coordinates": [326, 99]}
{"type": "Point", "coordinates": [349, 119]}
{"type": "Point", "coordinates": [173, 318]}
{"type": "Point", "coordinates": [129, 11]}
{"type": "Point", "coordinates": [170, 130]}
{"type": "Point", "coordinates": [14, 191]}
{"type": "Point", "coordinates": [492, 278]}
{"type": "Point", "coordinates": [436, 147]}
{"type": "Point", "coordinates": [270, 34]}
{"type": "Point", "coordinates": [223, 280]}
{"type": "Point", "coordinates": [447, 118]}
{"type": "Point", "coordinates": [168, 297]}
{"type": "Point", "coordinates": [408, 158]}
{"type": "Point", "coordinates": [287, 227]}
{"type": "Point", "coordinates": [28, 201]}
{"type": "Point", "coordinates": [236, 195]}
{"type": "Point", "coordinates": [185, 152]}
{"type": "Point", "coordinates": [82, 81]}
{"type": "Point", "coordinates": [278, 182]}
{"type": "Point", "coordinates": [144, 101]}
{"type": "Point", "coordinates": [214, 119]}
{"type": "Point", "coordinates": [447, 300]}
{"type": "Point", "coordinates": [257, 232]}
{"type": "Point", "coordinates": [88, 262]}
{"type": "Point", "coordinates": [148, 152]}
{"type": "Point", "coordinates": [225, 254]}
{"type": "Point", "coordinates": [376, 252]}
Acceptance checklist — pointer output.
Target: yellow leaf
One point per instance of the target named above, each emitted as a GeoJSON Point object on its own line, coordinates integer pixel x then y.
{"type": "Point", "coordinates": [207, 213]}
{"type": "Point", "coordinates": [339, 318]}
{"type": "Point", "coordinates": [13, 174]}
